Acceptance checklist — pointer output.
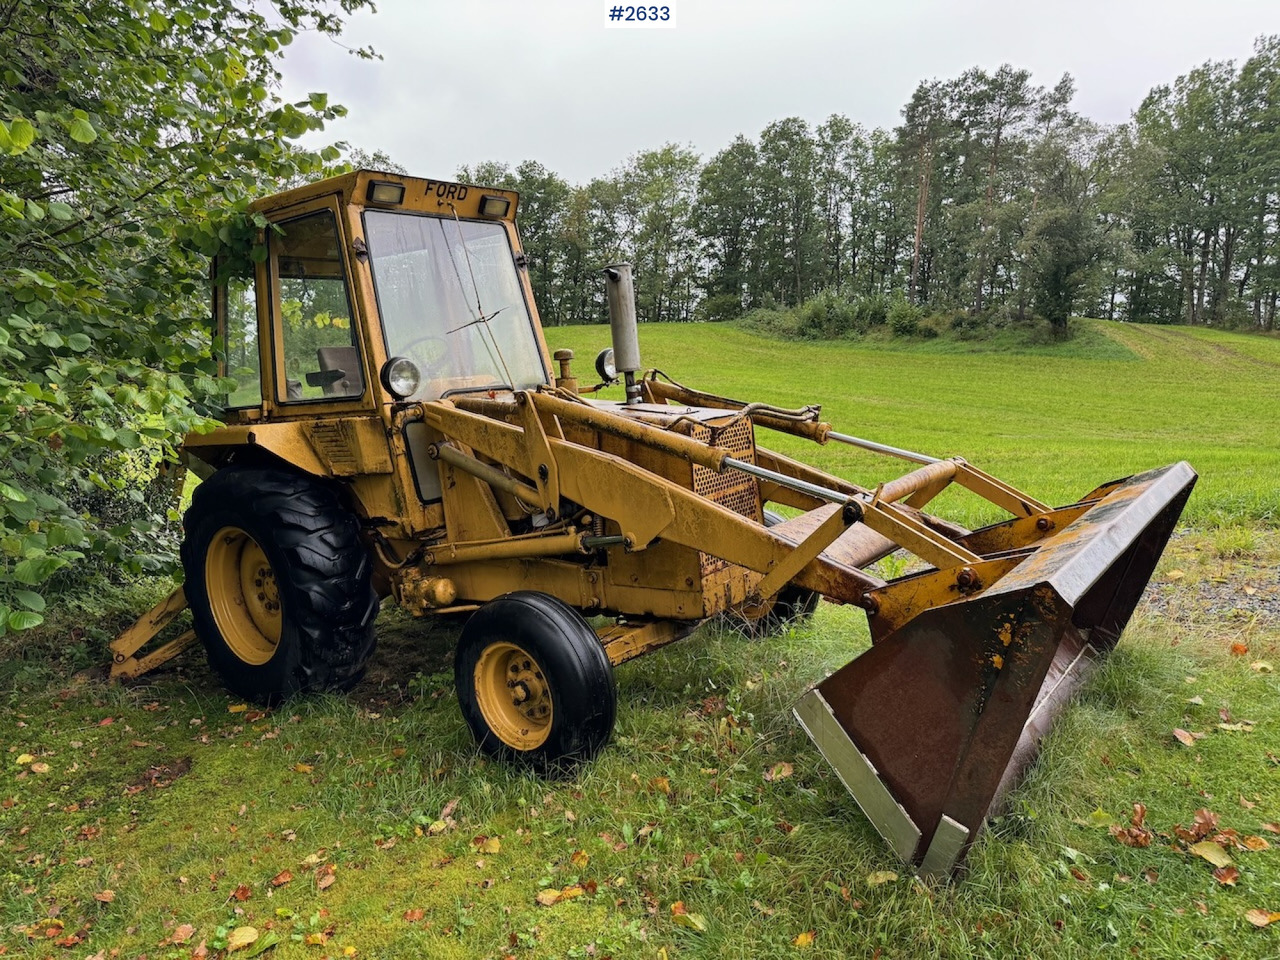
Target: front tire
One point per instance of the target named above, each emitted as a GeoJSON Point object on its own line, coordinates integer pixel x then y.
{"type": "Point", "coordinates": [279, 584]}
{"type": "Point", "coordinates": [533, 681]}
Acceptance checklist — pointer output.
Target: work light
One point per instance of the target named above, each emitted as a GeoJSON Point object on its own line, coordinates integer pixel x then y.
{"type": "Point", "coordinates": [401, 377]}
{"type": "Point", "coordinates": [385, 191]}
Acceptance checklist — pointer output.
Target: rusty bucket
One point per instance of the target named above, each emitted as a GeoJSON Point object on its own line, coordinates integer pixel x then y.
{"type": "Point", "coordinates": [930, 727]}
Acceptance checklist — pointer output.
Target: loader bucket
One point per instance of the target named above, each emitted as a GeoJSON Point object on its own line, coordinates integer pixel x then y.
{"type": "Point", "coordinates": [931, 727]}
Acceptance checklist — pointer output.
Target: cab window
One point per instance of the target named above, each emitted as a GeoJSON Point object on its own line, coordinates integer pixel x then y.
{"type": "Point", "coordinates": [236, 319]}
{"type": "Point", "coordinates": [321, 359]}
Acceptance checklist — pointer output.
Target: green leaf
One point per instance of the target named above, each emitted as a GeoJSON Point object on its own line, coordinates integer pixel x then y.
{"type": "Point", "coordinates": [82, 131]}
{"type": "Point", "coordinates": [34, 211]}
{"type": "Point", "coordinates": [157, 22]}
{"type": "Point", "coordinates": [12, 493]}
{"type": "Point", "coordinates": [318, 101]}
{"type": "Point", "coordinates": [30, 599]}
{"type": "Point", "coordinates": [22, 134]}
{"type": "Point", "coordinates": [51, 339]}
{"type": "Point", "coordinates": [61, 211]}
{"type": "Point", "coordinates": [34, 570]}
{"type": "Point", "coordinates": [24, 620]}
{"type": "Point", "coordinates": [79, 342]}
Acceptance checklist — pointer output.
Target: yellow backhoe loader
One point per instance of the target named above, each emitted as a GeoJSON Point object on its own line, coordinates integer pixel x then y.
{"type": "Point", "coordinates": [398, 428]}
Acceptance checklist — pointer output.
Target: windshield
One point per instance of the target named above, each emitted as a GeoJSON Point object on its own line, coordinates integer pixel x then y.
{"type": "Point", "coordinates": [451, 301]}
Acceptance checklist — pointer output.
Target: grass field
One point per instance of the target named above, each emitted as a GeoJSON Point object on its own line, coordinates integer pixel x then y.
{"type": "Point", "coordinates": [163, 819]}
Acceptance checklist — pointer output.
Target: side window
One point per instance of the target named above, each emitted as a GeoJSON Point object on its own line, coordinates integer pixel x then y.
{"type": "Point", "coordinates": [321, 360]}
{"type": "Point", "coordinates": [238, 358]}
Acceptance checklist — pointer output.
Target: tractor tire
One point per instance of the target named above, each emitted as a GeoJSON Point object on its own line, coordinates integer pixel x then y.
{"type": "Point", "coordinates": [279, 584]}
{"type": "Point", "coordinates": [794, 604]}
{"type": "Point", "coordinates": [534, 683]}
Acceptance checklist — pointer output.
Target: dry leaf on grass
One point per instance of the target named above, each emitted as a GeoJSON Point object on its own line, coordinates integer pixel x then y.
{"type": "Point", "coordinates": [681, 917]}
{"type": "Point", "coordinates": [1227, 876]}
{"type": "Point", "coordinates": [281, 878]}
{"type": "Point", "coordinates": [1185, 737]}
{"type": "Point", "coordinates": [1260, 918]}
{"type": "Point", "coordinates": [881, 876]}
{"type": "Point", "coordinates": [39, 767]}
{"type": "Point", "coordinates": [1210, 851]}
{"type": "Point", "coordinates": [1255, 843]}
{"type": "Point", "coordinates": [804, 939]}
{"type": "Point", "coordinates": [241, 937]}
{"type": "Point", "coordinates": [779, 771]}
{"type": "Point", "coordinates": [1262, 666]}
{"type": "Point", "coordinates": [242, 892]}
{"type": "Point", "coordinates": [581, 858]}
{"type": "Point", "coordinates": [547, 898]}
{"type": "Point", "coordinates": [1239, 649]}
{"type": "Point", "coordinates": [105, 896]}
{"type": "Point", "coordinates": [414, 915]}
{"type": "Point", "coordinates": [303, 768]}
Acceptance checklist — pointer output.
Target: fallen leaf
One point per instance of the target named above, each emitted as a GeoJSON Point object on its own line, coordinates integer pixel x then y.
{"type": "Point", "coordinates": [1255, 843]}
{"type": "Point", "coordinates": [39, 767]}
{"type": "Point", "coordinates": [581, 858]}
{"type": "Point", "coordinates": [568, 893]}
{"type": "Point", "coordinates": [281, 878]}
{"type": "Point", "coordinates": [184, 933]}
{"type": "Point", "coordinates": [767, 911]}
{"type": "Point", "coordinates": [661, 785]}
{"type": "Point", "coordinates": [681, 917]}
{"type": "Point", "coordinates": [881, 876]}
{"type": "Point", "coordinates": [325, 877]}
{"type": "Point", "coordinates": [414, 915]}
{"type": "Point", "coordinates": [547, 898]}
{"type": "Point", "coordinates": [239, 708]}
{"type": "Point", "coordinates": [105, 896]}
{"type": "Point", "coordinates": [437, 827]}
{"type": "Point", "coordinates": [317, 939]}
{"type": "Point", "coordinates": [1175, 575]}
{"type": "Point", "coordinates": [303, 768]}
{"type": "Point", "coordinates": [779, 771]}
{"type": "Point", "coordinates": [1197, 701]}
{"type": "Point", "coordinates": [1184, 737]}
{"type": "Point", "coordinates": [241, 937]}
{"type": "Point", "coordinates": [491, 845]}
{"type": "Point", "coordinates": [1260, 918]}
{"type": "Point", "coordinates": [1272, 827]}
{"type": "Point", "coordinates": [242, 892]}
{"type": "Point", "coordinates": [1210, 851]}
{"type": "Point", "coordinates": [1262, 666]}
{"type": "Point", "coordinates": [1247, 804]}
{"type": "Point", "coordinates": [24, 759]}
{"type": "Point", "coordinates": [804, 939]}
{"type": "Point", "coordinates": [1151, 875]}
{"type": "Point", "coordinates": [1227, 876]}
{"type": "Point", "coordinates": [1239, 649]}
{"type": "Point", "coordinates": [449, 807]}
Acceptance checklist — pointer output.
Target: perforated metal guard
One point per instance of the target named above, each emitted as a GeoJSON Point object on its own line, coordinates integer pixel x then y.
{"type": "Point", "coordinates": [733, 489]}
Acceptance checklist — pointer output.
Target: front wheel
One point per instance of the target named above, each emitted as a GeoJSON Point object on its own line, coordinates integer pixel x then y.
{"type": "Point", "coordinates": [533, 681]}
{"type": "Point", "coordinates": [279, 584]}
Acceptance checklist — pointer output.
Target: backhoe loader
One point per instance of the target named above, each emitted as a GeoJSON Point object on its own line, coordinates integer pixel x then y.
{"type": "Point", "coordinates": [396, 428]}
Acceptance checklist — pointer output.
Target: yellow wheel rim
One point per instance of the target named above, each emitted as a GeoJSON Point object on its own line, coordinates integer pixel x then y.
{"type": "Point", "coordinates": [243, 595]}
{"type": "Point", "coordinates": [513, 695]}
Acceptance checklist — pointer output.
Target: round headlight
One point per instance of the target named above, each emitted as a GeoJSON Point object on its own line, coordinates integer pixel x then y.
{"type": "Point", "coordinates": [605, 366]}
{"type": "Point", "coordinates": [401, 377]}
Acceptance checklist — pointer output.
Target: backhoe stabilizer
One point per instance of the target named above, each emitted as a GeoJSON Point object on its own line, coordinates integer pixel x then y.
{"type": "Point", "coordinates": [930, 727]}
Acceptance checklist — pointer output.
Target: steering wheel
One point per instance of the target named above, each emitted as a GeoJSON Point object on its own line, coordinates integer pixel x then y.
{"type": "Point", "coordinates": [429, 354]}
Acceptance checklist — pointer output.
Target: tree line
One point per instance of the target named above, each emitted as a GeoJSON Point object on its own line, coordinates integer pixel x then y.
{"type": "Point", "coordinates": [992, 198]}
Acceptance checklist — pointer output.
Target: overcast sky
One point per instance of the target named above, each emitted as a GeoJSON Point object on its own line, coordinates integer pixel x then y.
{"type": "Point", "coordinates": [470, 80]}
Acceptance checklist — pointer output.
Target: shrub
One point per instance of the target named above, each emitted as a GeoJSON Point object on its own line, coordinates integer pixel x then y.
{"type": "Point", "coordinates": [904, 318]}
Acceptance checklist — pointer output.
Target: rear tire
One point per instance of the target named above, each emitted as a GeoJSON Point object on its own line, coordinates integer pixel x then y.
{"type": "Point", "coordinates": [279, 584]}
{"type": "Point", "coordinates": [794, 604]}
{"type": "Point", "coordinates": [534, 683]}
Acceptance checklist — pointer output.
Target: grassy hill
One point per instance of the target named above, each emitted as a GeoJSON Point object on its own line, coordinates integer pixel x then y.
{"type": "Point", "coordinates": [1054, 420]}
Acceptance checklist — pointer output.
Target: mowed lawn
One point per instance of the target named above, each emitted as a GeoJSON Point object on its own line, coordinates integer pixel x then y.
{"type": "Point", "coordinates": [1054, 421]}
{"type": "Point", "coordinates": [164, 819]}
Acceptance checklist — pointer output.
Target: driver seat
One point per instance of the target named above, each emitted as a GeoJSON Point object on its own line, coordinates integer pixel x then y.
{"type": "Point", "coordinates": [346, 359]}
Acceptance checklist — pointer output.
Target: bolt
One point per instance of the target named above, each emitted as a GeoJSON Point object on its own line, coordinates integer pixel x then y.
{"type": "Point", "coordinates": [1044, 523]}
{"type": "Point", "coordinates": [871, 605]}
{"type": "Point", "coordinates": [543, 472]}
{"type": "Point", "coordinates": [261, 595]}
{"type": "Point", "coordinates": [965, 577]}
{"type": "Point", "coordinates": [526, 664]}
{"type": "Point", "coordinates": [515, 668]}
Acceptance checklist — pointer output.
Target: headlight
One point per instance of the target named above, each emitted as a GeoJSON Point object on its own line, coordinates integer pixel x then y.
{"type": "Point", "coordinates": [401, 377]}
{"type": "Point", "coordinates": [605, 366]}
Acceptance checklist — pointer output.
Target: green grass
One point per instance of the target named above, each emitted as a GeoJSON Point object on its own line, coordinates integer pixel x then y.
{"type": "Point", "coordinates": [1053, 420]}
{"type": "Point", "coordinates": [183, 803]}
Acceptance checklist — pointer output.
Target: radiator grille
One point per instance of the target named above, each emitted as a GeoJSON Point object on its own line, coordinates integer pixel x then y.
{"type": "Point", "coordinates": [732, 488]}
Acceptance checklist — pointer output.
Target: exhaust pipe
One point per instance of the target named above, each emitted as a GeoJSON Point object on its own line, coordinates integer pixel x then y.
{"type": "Point", "coordinates": [621, 295]}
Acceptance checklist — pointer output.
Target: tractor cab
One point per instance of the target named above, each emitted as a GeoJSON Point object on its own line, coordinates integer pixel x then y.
{"type": "Point", "coordinates": [376, 289]}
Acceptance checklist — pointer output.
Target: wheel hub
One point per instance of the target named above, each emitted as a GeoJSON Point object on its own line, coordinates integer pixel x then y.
{"type": "Point", "coordinates": [513, 695]}
{"type": "Point", "coordinates": [243, 595]}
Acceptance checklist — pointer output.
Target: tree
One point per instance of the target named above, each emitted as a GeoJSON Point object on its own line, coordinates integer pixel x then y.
{"type": "Point", "coordinates": [132, 136]}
